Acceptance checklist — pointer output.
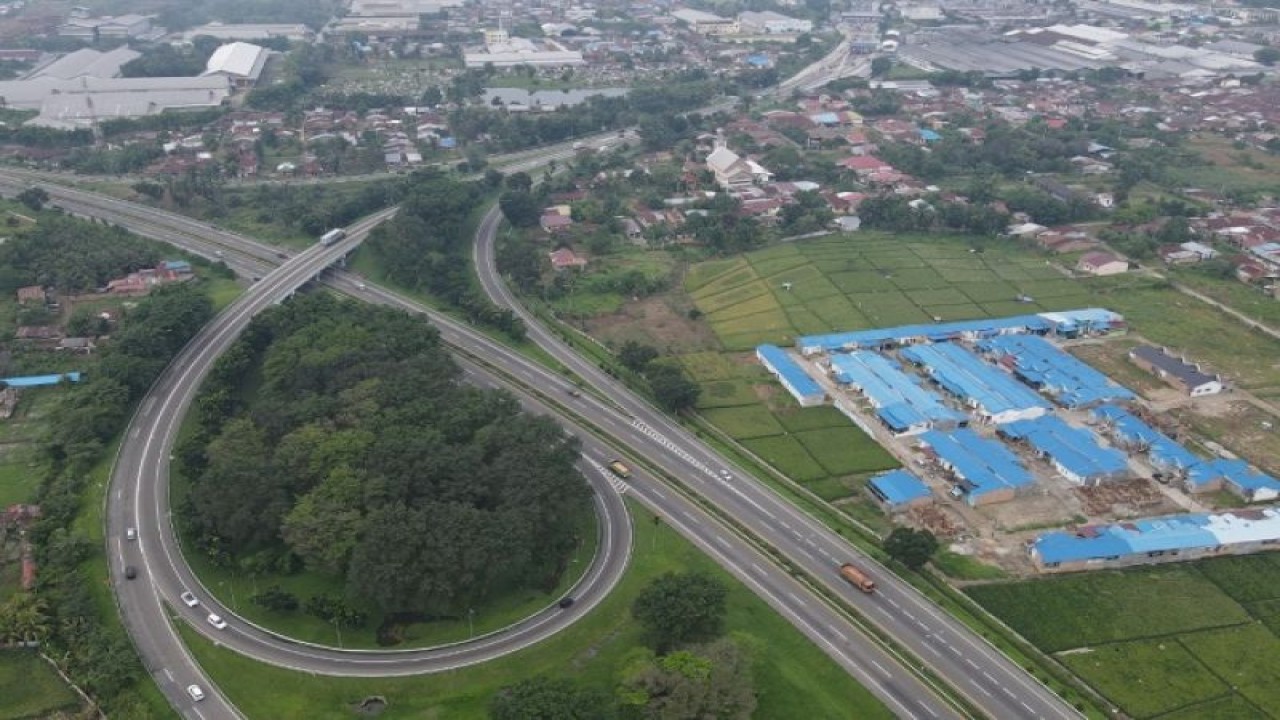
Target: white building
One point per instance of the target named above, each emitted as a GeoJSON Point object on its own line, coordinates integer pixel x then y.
{"type": "Point", "coordinates": [771, 23]}
{"type": "Point", "coordinates": [734, 172]}
{"type": "Point", "coordinates": [85, 62]}
{"type": "Point", "coordinates": [239, 62]}
{"type": "Point", "coordinates": [705, 23]}
{"type": "Point", "coordinates": [79, 103]}
{"type": "Point", "coordinates": [293, 32]}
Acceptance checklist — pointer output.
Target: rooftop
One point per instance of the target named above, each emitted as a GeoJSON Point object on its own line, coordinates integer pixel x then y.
{"type": "Point", "coordinates": [1158, 535]}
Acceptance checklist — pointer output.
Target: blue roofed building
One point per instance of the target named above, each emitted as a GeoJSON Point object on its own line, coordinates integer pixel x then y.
{"type": "Point", "coordinates": [1161, 539]}
{"type": "Point", "coordinates": [30, 381]}
{"type": "Point", "coordinates": [803, 388]}
{"type": "Point", "coordinates": [1068, 323]}
{"type": "Point", "coordinates": [899, 489]}
{"type": "Point", "coordinates": [984, 470]}
{"type": "Point", "coordinates": [1042, 365]}
{"type": "Point", "coordinates": [1196, 473]}
{"type": "Point", "coordinates": [929, 136]}
{"type": "Point", "coordinates": [994, 395]}
{"type": "Point", "coordinates": [901, 404]}
{"type": "Point", "coordinates": [1074, 452]}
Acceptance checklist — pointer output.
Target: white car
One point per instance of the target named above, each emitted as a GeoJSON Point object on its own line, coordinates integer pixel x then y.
{"type": "Point", "coordinates": [217, 621]}
{"type": "Point", "coordinates": [189, 599]}
{"type": "Point", "coordinates": [195, 692]}
{"type": "Point", "coordinates": [130, 533]}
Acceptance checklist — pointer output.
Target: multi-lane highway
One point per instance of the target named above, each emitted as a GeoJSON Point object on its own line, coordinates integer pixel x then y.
{"type": "Point", "coordinates": [164, 573]}
{"type": "Point", "coordinates": [967, 662]}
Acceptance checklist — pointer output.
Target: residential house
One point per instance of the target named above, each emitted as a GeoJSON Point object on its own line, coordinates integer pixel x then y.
{"type": "Point", "coordinates": [1102, 263]}
{"type": "Point", "coordinates": [1176, 371]}
{"type": "Point", "coordinates": [31, 294]}
{"type": "Point", "coordinates": [554, 223]}
{"type": "Point", "coordinates": [733, 172]}
{"type": "Point", "coordinates": [565, 258]}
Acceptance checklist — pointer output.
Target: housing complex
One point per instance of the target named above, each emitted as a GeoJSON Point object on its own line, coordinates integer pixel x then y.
{"type": "Point", "coordinates": [994, 412]}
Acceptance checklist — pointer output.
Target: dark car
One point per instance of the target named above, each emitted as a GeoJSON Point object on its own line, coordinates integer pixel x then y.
{"type": "Point", "coordinates": [281, 255]}
{"type": "Point", "coordinates": [130, 572]}
{"type": "Point", "coordinates": [566, 603]}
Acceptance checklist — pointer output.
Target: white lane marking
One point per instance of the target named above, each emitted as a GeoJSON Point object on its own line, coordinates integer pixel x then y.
{"type": "Point", "coordinates": [1028, 707]}
{"type": "Point", "coordinates": [987, 675]}
{"type": "Point", "coordinates": [972, 664]}
{"type": "Point", "coordinates": [882, 669]}
{"type": "Point", "coordinates": [933, 649]}
{"type": "Point", "coordinates": [689, 515]}
{"type": "Point", "coordinates": [757, 568]}
{"type": "Point", "coordinates": [893, 602]}
{"type": "Point", "coordinates": [929, 710]}
{"type": "Point", "coordinates": [797, 599]}
{"type": "Point", "coordinates": [168, 674]}
{"type": "Point", "coordinates": [720, 539]}
{"type": "Point", "coordinates": [1008, 692]}
{"type": "Point", "coordinates": [981, 689]}
{"type": "Point", "coordinates": [842, 636]}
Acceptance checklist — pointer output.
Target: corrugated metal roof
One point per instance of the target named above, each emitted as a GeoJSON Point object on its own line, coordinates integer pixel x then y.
{"type": "Point", "coordinates": [241, 59]}
{"type": "Point", "coordinates": [1162, 534]}
{"type": "Point", "coordinates": [789, 371]}
{"type": "Point", "coordinates": [900, 486]}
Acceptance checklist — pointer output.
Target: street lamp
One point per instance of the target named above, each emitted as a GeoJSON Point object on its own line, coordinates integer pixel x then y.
{"type": "Point", "coordinates": [338, 629]}
{"type": "Point", "coordinates": [471, 621]}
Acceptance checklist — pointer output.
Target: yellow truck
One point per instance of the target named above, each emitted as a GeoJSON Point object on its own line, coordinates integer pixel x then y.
{"type": "Point", "coordinates": [617, 468]}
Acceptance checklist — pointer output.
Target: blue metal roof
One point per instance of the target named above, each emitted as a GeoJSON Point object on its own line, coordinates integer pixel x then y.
{"type": "Point", "coordinates": [1075, 449]}
{"type": "Point", "coordinates": [903, 403]}
{"type": "Point", "coordinates": [985, 464]}
{"type": "Point", "coordinates": [1042, 364]}
{"type": "Point", "coordinates": [1093, 318]}
{"type": "Point", "coordinates": [1177, 532]}
{"type": "Point", "coordinates": [790, 372]}
{"type": "Point", "coordinates": [967, 376]}
{"type": "Point", "coordinates": [40, 380]}
{"type": "Point", "coordinates": [899, 487]}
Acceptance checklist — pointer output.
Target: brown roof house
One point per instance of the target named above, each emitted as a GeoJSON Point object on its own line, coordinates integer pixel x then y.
{"type": "Point", "coordinates": [1102, 263]}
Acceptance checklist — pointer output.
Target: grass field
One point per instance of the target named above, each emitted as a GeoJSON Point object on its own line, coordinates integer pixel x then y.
{"type": "Point", "coordinates": [594, 651]}
{"type": "Point", "coordinates": [1195, 640]}
{"type": "Point", "coordinates": [818, 447]}
{"type": "Point", "coordinates": [29, 688]}
{"type": "Point", "coordinates": [846, 282]}
{"type": "Point", "coordinates": [1147, 677]}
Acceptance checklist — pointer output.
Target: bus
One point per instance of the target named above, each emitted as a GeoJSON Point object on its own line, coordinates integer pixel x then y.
{"type": "Point", "coordinates": [332, 236]}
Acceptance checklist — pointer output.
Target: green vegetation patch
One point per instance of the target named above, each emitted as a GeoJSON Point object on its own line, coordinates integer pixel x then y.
{"type": "Point", "coordinates": [744, 422]}
{"type": "Point", "coordinates": [706, 366]}
{"type": "Point", "coordinates": [1108, 606]}
{"type": "Point", "coordinates": [1246, 578]}
{"type": "Point", "coordinates": [958, 311]}
{"type": "Point", "coordinates": [944, 296]}
{"type": "Point", "coordinates": [807, 322]}
{"type": "Point", "coordinates": [846, 450]}
{"type": "Point", "coordinates": [829, 489]}
{"type": "Point", "coordinates": [786, 454]}
{"type": "Point", "coordinates": [1247, 657]}
{"type": "Point", "coordinates": [700, 275]}
{"type": "Point", "coordinates": [1231, 707]}
{"type": "Point", "coordinates": [1147, 677]}
{"type": "Point", "coordinates": [713, 302]}
{"type": "Point", "coordinates": [823, 416]}
{"type": "Point", "coordinates": [751, 306]}
{"type": "Point", "coordinates": [592, 652]}
{"type": "Point", "coordinates": [727, 393]}
{"type": "Point", "coordinates": [964, 567]}
{"type": "Point", "coordinates": [29, 688]}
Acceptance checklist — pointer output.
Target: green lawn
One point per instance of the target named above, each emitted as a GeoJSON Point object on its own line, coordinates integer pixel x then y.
{"type": "Point", "coordinates": [1247, 657]}
{"type": "Point", "coordinates": [745, 422]}
{"type": "Point", "coordinates": [1082, 610]}
{"type": "Point", "coordinates": [1147, 677]}
{"type": "Point", "coordinates": [29, 688]}
{"type": "Point", "coordinates": [793, 678]}
{"type": "Point", "coordinates": [846, 450]}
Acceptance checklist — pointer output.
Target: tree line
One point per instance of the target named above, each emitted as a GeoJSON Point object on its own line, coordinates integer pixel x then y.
{"type": "Point", "coordinates": [67, 618]}
{"type": "Point", "coordinates": [355, 449]}
{"type": "Point", "coordinates": [427, 246]}
{"type": "Point", "coordinates": [71, 255]}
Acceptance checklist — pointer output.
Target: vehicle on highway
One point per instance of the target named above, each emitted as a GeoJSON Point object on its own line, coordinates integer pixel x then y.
{"type": "Point", "coordinates": [130, 572]}
{"type": "Point", "coordinates": [574, 392]}
{"type": "Point", "coordinates": [332, 236]}
{"type": "Point", "coordinates": [361, 286]}
{"type": "Point", "coordinates": [565, 603]}
{"type": "Point", "coordinates": [282, 256]}
{"type": "Point", "coordinates": [618, 468]}
{"type": "Point", "coordinates": [131, 534]}
{"type": "Point", "coordinates": [857, 578]}
{"type": "Point", "coordinates": [217, 621]}
{"type": "Point", "coordinates": [189, 599]}
{"type": "Point", "coordinates": [195, 692]}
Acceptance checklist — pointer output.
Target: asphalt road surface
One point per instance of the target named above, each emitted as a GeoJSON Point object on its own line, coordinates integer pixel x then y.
{"type": "Point", "coordinates": [990, 681]}
{"type": "Point", "coordinates": [164, 574]}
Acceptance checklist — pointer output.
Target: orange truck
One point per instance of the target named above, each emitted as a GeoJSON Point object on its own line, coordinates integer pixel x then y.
{"type": "Point", "coordinates": [857, 578]}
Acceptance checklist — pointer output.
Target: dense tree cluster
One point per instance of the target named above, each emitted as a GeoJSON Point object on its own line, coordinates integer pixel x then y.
{"type": "Point", "coordinates": [66, 617]}
{"type": "Point", "coordinates": [911, 547]}
{"type": "Point", "coordinates": [428, 245]}
{"type": "Point", "coordinates": [679, 609]}
{"type": "Point", "coordinates": [362, 454]}
{"type": "Point", "coordinates": [671, 387]}
{"type": "Point", "coordinates": [898, 214]}
{"type": "Point", "coordinates": [72, 255]}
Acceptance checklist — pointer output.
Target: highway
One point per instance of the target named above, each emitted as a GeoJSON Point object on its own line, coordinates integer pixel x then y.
{"type": "Point", "coordinates": [140, 493]}
{"type": "Point", "coordinates": [990, 681]}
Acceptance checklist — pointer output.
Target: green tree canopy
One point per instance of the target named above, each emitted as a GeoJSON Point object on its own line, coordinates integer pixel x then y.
{"type": "Point", "coordinates": [678, 609]}
{"type": "Point", "coordinates": [911, 547]}
{"type": "Point", "coordinates": [544, 698]}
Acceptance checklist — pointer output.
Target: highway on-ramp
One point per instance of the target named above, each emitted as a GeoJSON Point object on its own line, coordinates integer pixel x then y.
{"type": "Point", "coordinates": [139, 499]}
{"type": "Point", "coordinates": [172, 666]}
